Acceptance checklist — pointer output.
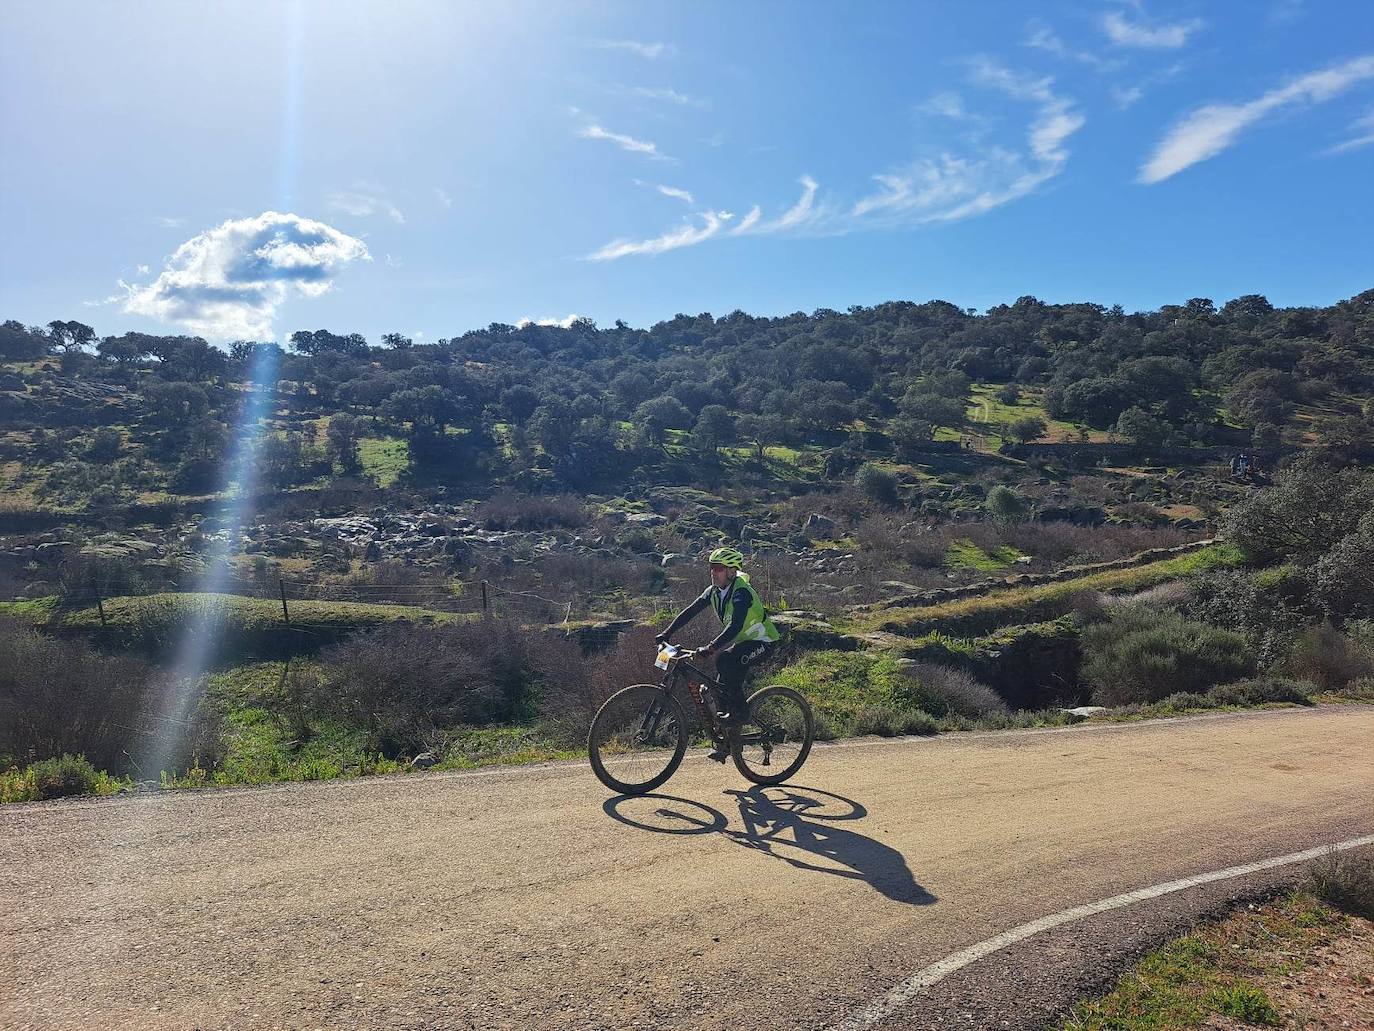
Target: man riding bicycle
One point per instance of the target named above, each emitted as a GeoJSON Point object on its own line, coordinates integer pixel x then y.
{"type": "Point", "coordinates": [748, 634]}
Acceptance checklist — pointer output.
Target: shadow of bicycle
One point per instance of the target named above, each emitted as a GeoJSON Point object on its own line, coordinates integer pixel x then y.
{"type": "Point", "coordinates": [796, 825]}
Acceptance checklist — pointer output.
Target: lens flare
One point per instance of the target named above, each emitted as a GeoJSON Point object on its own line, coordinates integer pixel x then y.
{"type": "Point", "coordinates": [180, 682]}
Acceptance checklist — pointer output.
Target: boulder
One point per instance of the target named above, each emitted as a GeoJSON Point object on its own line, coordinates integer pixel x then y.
{"type": "Point", "coordinates": [645, 519]}
{"type": "Point", "coordinates": [675, 558]}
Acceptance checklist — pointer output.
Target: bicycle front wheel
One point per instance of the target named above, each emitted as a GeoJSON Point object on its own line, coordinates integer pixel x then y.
{"type": "Point", "coordinates": [776, 738]}
{"type": "Point", "coordinates": [638, 739]}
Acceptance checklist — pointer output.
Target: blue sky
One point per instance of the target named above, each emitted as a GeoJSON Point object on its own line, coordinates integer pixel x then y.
{"type": "Point", "coordinates": [246, 170]}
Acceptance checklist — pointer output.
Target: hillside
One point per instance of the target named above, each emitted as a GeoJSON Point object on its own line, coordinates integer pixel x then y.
{"type": "Point", "coordinates": [954, 490]}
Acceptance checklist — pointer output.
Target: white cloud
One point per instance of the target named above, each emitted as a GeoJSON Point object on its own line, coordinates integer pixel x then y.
{"type": "Point", "coordinates": [685, 235]}
{"type": "Point", "coordinates": [1126, 33]}
{"type": "Point", "coordinates": [669, 191]}
{"type": "Point", "coordinates": [646, 50]}
{"type": "Point", "coordinates": [954, 186]}
{"type": "Point", "coordinates": [1125, 96]}
{"type": "Point", "coordinates": [444, 197]}
{"type": "Point", "coordinates": [1210, 129]}
{"type": "Point", "coordinates": [667, 95]}
{"type": "Point", "coordinates": [1364, 136]}
{"type": "Point", "coordinates": [634, 146]}
{"type": "Point", "coordinates": [947, 104]}
{"type": "Point", "coordinates": [167, 222]}
{"type": "Point", "coordinates": [229, 281]}
{"type": "Point", "coordinates": [364, 201]}
{"type": "Point", "coordinates": [1285, 12]}
{"type": "Point", "coordinates": [563, 323]}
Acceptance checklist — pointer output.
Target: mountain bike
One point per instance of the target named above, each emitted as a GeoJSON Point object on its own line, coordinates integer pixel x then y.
{"type": "Point", "coordinates": [641, 733]}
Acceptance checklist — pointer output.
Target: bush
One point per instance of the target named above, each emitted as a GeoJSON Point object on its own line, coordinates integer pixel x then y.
{"type": "Point", "coordinates": [61, 697]}
{"type": "Point", "coordinates": [1144, 655]}
{"type": "Point", "coordinates": [1329, 658]}
{"type": "Point", "coordinates": [511, 511]}
{"type": "Point", "coordinates": [877, 485]}
{"type": "Point", "coordinates": [891, 721]}
{"type": "Point", "coordinates": [1361, 690]}
{"type": "Point", "coordinates": [1346, 881]}
{"type": "Point", "coordinates": [947, 691]}
{"type": "Point", "coordinates": [405, 685]}
{"type": "Point", "coordinates": [64, 776]}
{"type": "Point", "coordinates": [1261, 691]}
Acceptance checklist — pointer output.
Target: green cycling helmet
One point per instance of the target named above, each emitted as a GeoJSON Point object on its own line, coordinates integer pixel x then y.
{"type": "Point", "coordinates": [726, 557]}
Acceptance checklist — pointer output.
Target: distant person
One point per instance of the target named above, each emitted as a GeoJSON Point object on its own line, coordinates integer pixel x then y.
{"type": "Point", "coordinates": [748, 634]}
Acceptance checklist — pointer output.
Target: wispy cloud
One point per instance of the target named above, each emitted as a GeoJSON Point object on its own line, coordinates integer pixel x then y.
{"type": "Point", "coordinates": [229, 281]}
{"type": "Point", "coordinates": [624, 142]}
{"type": "Point", "coordinates": [445, 198]}
{"type": "Point", "coordinates": [1285, 12]}
{"type": "Point", "coordinates": [955, 186]}
{"type": "Point", "coordinates": [1040, 36]}
{"type": "Point", "coordinates": [943, 188]}
{"type": "Point", "coordinates": [646, 50]}
{"type": "Point", "coordinates": [668, 191]}
{"type": "Point", "coordinates": [1210, 129]}
{"type": "Point", "coordinates": [1364, 136]}
{"type": "Point", "coordinates": [1158, 36]}
{"type": "Point", "coordinates": [667, 95]}
{"type": "Point", "coordinates": [1125, 96]}
{"type": "Point", "coordinates": [167, 222]}
{"type": "Point", "coordinates": [686, 235]}
{"type": "Point", "coordinates": [363, 201]}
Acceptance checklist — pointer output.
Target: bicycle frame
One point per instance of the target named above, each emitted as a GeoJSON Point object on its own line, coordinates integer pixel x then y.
{"type": "Point", "coordinates": [699, 683]}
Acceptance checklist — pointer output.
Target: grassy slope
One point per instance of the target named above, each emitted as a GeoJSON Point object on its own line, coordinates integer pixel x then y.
{"type": "Point", "coordinates": [1017, 605]}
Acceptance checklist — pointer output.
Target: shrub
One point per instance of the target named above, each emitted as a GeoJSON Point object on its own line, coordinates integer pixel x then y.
{"type": "Point", "coordinates": [876, 484]}
{"type": "Point", "coordinates": [1144, 655]}
{"type": "Point", "coordinates": [1361, 690]}
{"type": "Point", "coordinates": [64, 776]}
{"type": "Point", "coordinates": [1346, 881]}
{"type": "Point", "coordinates": [61, 697]}
{"type": "Point", "coordinates": [1261, 691]}
{"type": "Point", "coordinates": [511, 511]}
{"type": "Point", "coordinates": [1005, 506]}
{"type": "Point", "coordinates": [1329, 658]}
{"type": "Point", "coordinates": [405, 684]}
{"type": "Point", "coordinates": [948, 691]}
{"type": "Point", "coordinates": [891, 721]}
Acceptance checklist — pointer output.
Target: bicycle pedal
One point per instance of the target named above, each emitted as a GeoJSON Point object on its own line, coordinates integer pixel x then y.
{"type": "Point", "coordinates": [717, 757]}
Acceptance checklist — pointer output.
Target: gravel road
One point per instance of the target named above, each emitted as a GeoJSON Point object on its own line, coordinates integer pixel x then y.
{"type": "Point", "coordinates": [527, 898]}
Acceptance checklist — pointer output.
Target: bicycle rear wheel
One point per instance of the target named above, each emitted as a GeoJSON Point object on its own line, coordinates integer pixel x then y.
{"type": "Point", "coordinates": [776, 738]}
{"type": "Point", "coordinates": [638, 739]}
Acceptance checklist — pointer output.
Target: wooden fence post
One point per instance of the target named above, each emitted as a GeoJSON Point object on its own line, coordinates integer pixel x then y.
{"type": "Point", "coordinates": [484, 597]}
{"type": "Point", "coordinates": [285, 615]}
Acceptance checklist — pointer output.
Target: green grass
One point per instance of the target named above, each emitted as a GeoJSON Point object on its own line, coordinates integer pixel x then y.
{"type": "Point", "coordinates": [242, 625]}
{"type": "Point", "coordinates": [35, 610]}
{"type": "Point", "coordinates": [1214, 971]}
{"type": "Point", "coordinates": [384, 458]}
{"type": "Point", "coordinates": [473, 747]}
{"type": "Point", "coordinates": [964, 554]}
{"type": "Point", "coordinates": [1018, 605]}
{"type": "Point", "coordinates": [261, 749]}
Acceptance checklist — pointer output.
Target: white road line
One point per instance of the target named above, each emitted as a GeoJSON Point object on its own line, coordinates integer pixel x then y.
{"type": "Point", "coordinates": [879, 1010]}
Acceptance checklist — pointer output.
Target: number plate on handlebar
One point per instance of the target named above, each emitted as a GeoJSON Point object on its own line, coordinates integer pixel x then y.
{"type": "Point", "coordinates": [666, 654]}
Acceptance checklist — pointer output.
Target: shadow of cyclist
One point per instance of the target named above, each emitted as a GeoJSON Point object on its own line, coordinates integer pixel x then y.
{"type": "Point", "coordinates": [796, 825]}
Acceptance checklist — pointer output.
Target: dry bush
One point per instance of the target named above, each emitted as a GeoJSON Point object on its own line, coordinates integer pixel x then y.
{"type": "Point", "coordinates": [61, 697]}
{"type": "Point", "coordinates": [406, 684]}
{"type": "Point", "coordinates": [1061, 543]}
{"type": "Point", "coordinates": [1329, 658]}
{"type": "Point", "coordinates": [509, 510]}
{"type": "Point", "coordinates": [948, 691]}
{"type": "Point", "coordinates": [1346, 880]}
{"type": "Point", "coordinates": [570, 700]}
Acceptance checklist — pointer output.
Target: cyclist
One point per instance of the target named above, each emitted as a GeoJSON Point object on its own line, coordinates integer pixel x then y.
{"type": "Point", "coordinates": [748, 634]}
